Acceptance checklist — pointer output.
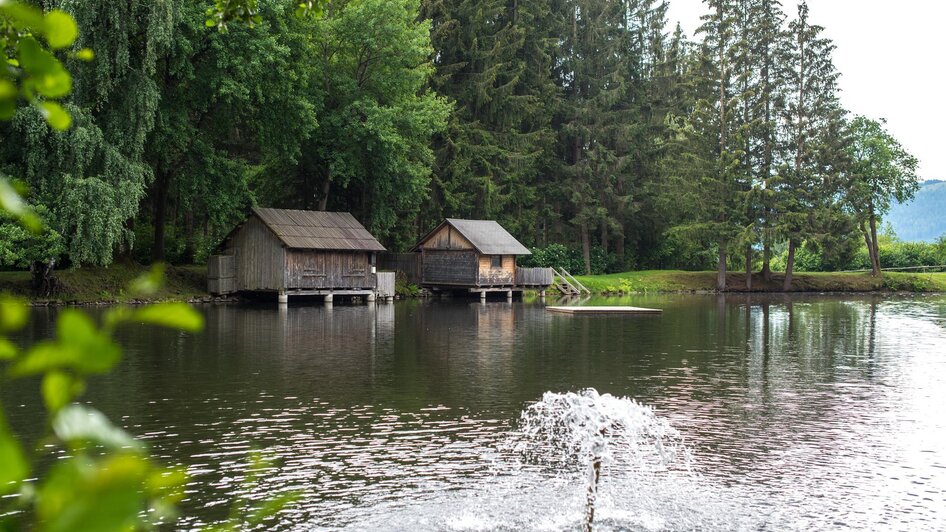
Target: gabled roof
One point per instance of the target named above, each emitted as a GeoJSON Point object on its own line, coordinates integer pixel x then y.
{"type": "Point", "coordinates": [487, 236]}
{"type": "Point", "coordinates": [318, 230]}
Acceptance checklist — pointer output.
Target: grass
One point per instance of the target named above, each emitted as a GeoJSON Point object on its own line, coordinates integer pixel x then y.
{"type": "Point", "coordinates": [681, 281]}
{"type": "Point", "coordinates": [95, 285]}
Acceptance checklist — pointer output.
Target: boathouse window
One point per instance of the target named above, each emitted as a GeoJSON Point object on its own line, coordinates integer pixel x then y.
{"type": "Point", "coordinates": [497, 261]}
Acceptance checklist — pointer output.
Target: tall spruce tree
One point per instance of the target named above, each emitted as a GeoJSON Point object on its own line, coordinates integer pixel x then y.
{"type": "Point", "coordinates": [810, 121]}
{"type": "Point", "coordinates": [494, 61]}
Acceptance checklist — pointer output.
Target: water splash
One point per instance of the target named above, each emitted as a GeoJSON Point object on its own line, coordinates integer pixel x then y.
{"type": "Point", "coordinates": [593, 433]}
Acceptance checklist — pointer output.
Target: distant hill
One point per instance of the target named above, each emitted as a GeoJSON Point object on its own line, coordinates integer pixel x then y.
{"type": "Point", "coordinates": [924, 218]}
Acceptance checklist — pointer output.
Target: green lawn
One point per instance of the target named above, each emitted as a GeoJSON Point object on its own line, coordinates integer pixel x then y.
{"type": "Point", "coordinates": [681, 281]}
{"type": "Point", "coordinates": [88, 285]}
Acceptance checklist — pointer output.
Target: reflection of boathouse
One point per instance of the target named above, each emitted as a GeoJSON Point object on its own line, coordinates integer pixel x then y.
{"type": "Point", "coordinates": [478, 256]}
{"type": "Point", "coordinates": [296, 252]}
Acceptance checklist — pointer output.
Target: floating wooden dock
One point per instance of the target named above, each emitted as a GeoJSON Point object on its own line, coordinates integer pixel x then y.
{"type": "Point", "coordinates": [592, 310]}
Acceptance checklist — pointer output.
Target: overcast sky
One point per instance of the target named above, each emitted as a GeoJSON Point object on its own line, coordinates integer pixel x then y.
{"type": "Point", "coordinates": [892, 60]}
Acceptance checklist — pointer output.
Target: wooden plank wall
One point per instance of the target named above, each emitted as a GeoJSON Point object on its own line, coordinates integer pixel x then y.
{"type": "Point", "coordinates": [407, 264]}
{"type": "Point", "coordinates": [534, 276]}
{"type": "Point", "coordinates": [221, 274]}
{"type": "Point", "coordinates": [329, 269]}
{"type": "Point", "coordinates": [446, 238]}
{"type": "Point", "coordinates": [259, 257]}
{"type": "Point", "coordinates": [450, 267]}
{"type": "Point", "coordinates": [386, 284]}
{"type": "Point", "coordinates": [506, 275]}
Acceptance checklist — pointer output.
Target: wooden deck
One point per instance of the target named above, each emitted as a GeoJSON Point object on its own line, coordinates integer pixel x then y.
{"type": "Point", "coordinates": [592, 310]}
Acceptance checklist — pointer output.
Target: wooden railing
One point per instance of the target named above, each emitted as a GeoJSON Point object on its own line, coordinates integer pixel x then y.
{"type": "Point", "coordinates": [534, 276]}
{"type": "Point", "coordinates": [386, 284]}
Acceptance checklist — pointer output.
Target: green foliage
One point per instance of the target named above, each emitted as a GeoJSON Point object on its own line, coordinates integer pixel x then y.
{"type": "Point", "coordinates": [32, 71]}
{"type": "Point", "coordinates": [571, 259]}
{"type": "Point", "coordinates": [20, 247]}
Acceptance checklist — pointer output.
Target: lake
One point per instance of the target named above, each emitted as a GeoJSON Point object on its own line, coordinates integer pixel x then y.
{"type": "Point", "coordinates": [797, 412]}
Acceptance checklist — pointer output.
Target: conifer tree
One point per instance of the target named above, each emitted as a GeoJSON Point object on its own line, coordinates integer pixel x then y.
{"type": "Point", "coordinates": [809, 121]}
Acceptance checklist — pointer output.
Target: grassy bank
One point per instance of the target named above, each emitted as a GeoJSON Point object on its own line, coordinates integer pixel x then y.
{"type": "Point", "coordinates": [94, 285]}
{"type": "Point", "coordinates": [680, 281]}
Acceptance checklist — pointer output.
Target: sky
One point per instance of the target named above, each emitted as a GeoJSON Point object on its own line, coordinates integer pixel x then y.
{"type": "Point", "coordinates": [892, 60]}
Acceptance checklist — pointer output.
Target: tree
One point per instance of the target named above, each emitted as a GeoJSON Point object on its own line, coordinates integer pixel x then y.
{"type": "Point", "coordinates": [881, 170]}
{"type": "Point", "coordinates": [812, 136]}
{"type": "Point", "coordinates": [371, 152]}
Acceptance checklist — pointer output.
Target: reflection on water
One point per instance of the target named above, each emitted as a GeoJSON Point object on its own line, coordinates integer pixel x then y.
{"type": "Point", "coordinates": [800, 412]}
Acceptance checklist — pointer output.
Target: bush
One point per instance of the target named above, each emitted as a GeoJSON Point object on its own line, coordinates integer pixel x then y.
{"type": "Point", "coordinates": [560, 256]}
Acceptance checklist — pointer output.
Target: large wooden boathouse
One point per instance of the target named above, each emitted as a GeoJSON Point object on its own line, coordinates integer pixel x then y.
{"type": "Point", "coordinates": [293, 252]}
{"type": "Point", "coordinates": [477, 256]}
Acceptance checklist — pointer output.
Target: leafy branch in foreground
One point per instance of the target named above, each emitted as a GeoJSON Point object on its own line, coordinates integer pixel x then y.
{"type": "Point", "coordinates": [107, 480]}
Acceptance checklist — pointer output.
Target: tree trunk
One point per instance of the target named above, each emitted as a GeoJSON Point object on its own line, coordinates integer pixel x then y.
{"type": "Point", "coordinates": [586, 247]}
{"type": "Point", "coordinates": [721, 268]}
{"type": "Point", "coordinates": [161, 187]}
{"type": "Point", "coordinates": [875, 265]}
{"type": "Point", "coordinates": [749, 268]}
{"type": "Point", "coordinates": [326, 188]}
{"type": "Point", "coordinates": [766, 259]}
{"type": "Point", "coordinates": [604, 235]}
{"type": "Point", "coordinates": [619, 245]}
{"type": "Point", "coordinates": [869, 244]}
{"type": "Point", "coordinates": [190, 246]}
{"type": "Point", "coordinates": [789, 266]}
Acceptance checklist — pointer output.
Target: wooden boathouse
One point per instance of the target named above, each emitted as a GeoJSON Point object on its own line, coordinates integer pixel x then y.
{"type": "Point", "coordinates": [294, 252]}
{"type": "Point", "coordinates": [478, 256]}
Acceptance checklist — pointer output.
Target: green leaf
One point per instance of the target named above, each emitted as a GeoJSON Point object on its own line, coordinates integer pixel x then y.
{"type": "Point", "coordinates": [47, 75]}
{"type": "Point", "coordinates": [150, 282]}
{"type": "Point", "coordinates": [8, 351]}
{"type": "Point", "coordinates": [57, 117]}
{"type": "Point", "coordinates": [81, 424]}
{"type": "Point", "coordinates": [79, 346]}
{"type": "Point", "coordinates": [83, 494]}
{"type": "Point", "coordinates": [15, 467]}
{"type": "Point", "coordinates": [61, 29]}
{"type": "Point", "coordinates": [271, 507]}
{"type": "Point", "coordinates": [59, 389]}
{"type": "Point", "coordinates": [12, 203]}
{"type": "Point", "coordinates": [85, 54]}
{"type": "Point", "coordinates": [13, 314]}
{"type": "Point", "coordinates": [173, 315]}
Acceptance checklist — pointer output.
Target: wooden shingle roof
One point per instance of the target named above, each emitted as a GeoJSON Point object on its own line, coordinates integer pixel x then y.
{"type": "Point", "coordinates": [338, 231]}
{"type": "Point", "coordinates": [487, 236]}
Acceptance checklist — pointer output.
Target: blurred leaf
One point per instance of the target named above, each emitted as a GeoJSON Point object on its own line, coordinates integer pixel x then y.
{"type": "Point", "coordinates": [13, 313]}
{"type": "Point", "coordinates": [79, 345]}
{"type": "Point", "coordinates": [7, 349]}
{"type": "Point", "coordinates": [57, 117]}
{"type": "Point", "coordinates": [81, 424]}
{"type": "Point", "coordinates": [23, 16]}
{"type": "Point", "coordinates": [61, 29]}
{"type": "Point", "coordinates": [14, 465]}
{"type": "Point", "coordinates": [271, 507]}
{"type": "Point", "coordinates": [80, 494]}
{"type": "Point", "coordinates": [47, 75]}
{"type": "Point", "coordinates": [172, 315]}
{"type": "Point", "coordinates": [59, 389]}
{"type": "Point", "coordinates": [12, 203]}
{"type": "Point", "coordinates": [85, 54]}
{"type": "Point", "coordinates": [150, 282]}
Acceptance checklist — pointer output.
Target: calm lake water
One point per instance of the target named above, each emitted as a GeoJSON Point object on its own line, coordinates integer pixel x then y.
{"type": "Point", "coordinates": [807, 412]}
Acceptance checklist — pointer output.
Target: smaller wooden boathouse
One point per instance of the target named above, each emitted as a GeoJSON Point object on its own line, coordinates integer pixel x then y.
{"type": "Point", "coordinates": [294, 252]}
{"type": "Point", "coordinates": [477, 256]}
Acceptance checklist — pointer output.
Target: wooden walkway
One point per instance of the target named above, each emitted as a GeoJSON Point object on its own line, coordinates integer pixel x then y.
{"type": "Point", "coordinates": [592, 310]}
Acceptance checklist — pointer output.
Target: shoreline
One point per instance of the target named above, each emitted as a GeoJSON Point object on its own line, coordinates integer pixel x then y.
{"type": "Point", "coordinates": [106, 286]}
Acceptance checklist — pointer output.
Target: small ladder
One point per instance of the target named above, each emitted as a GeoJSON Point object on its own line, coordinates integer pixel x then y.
{"type": "Point", "coordinates": [563, 285]}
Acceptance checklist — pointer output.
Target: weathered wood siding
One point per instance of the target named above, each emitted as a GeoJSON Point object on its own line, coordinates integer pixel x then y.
{"type": "Point", "coordinates": [534, 276]}
{"type": "Point", "coordinates": [407, 264]}
{"type": "Point", "coordinates": [450, 267]}
{"type": "Point", "coordinates": [386, 284]}
{"type": "Point", "coordinates": [259, 257]}
{"type": "Point", "coordinates": [446, 238]}
{"type": "Point", "coordinates": [221, 274]}
{"type": "Point", "coordinates": [328, 269]}
{"type": "Point", "coordinates": [505, 275]}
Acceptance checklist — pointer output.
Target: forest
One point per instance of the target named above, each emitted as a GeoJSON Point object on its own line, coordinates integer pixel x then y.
{"type": "Point", "coordinates": [592, 126]}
